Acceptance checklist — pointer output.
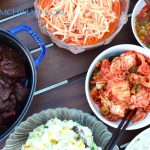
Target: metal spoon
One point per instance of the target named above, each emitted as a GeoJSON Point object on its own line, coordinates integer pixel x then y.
{"type": "Point", "coordinates": [147, 2]}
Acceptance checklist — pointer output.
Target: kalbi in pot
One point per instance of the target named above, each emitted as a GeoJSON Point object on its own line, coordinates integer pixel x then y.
{"type": "Point", "coordinates": [13, 91]}
{"type": "Point", "coordinates": [11, 63]}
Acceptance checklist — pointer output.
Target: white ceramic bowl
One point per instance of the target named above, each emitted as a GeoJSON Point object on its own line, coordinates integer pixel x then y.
{"type": "Point", "coordinates": [139, 136]}
{"type": "Point", "coordinates": [114, 51]}
{"type": "Point", "coordinates": [138, 7]}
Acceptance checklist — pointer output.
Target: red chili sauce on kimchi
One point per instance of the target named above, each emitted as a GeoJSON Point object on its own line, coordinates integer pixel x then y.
{"type": "Point", "coordinates": [121, 84]}
{"type": "Point", "coordinates": [143, 25]}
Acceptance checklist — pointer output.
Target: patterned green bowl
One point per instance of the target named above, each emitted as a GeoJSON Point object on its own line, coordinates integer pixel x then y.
{"type": "Point", "coordinates": [20, 135]}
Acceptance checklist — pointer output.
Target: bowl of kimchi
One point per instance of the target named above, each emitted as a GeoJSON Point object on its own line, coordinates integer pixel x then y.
{"type": "Point", "coordinates": [81, 25]}
{"type": "Point", "coordinates": [117, 81]}
{"type": "Point", "coordinates": [141, 23]}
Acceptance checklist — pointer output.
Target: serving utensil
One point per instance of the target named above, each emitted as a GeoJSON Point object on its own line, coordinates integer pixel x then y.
{"type": "Point", "coordinates": [120, 130]}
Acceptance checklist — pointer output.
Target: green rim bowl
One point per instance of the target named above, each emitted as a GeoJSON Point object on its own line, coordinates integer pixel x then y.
{"type": "Point", "coordinates": [19, 136]}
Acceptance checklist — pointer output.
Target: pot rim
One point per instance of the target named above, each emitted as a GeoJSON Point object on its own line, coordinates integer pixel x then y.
{"type": "Point", "coordinates": [29, 58]}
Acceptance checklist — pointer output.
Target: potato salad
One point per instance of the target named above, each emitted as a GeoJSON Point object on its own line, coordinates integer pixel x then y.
{"type": "Point", "coordinates": [60, 135]}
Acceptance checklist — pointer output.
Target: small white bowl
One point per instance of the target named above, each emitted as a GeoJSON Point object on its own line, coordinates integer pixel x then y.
{"type": "Point", "coordinates": [138, 7]}
{"type": "Point", "coordinates": [139, 136]}
{"type": "Point", "coordinates": [114, 51]}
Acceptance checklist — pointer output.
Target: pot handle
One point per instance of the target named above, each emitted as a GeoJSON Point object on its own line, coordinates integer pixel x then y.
{"type": "Point", "coordinates": [37, 39]}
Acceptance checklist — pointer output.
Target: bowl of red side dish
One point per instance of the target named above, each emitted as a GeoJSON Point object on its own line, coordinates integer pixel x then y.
{"type": "Point", "coordinates": [81, 25]}
{"type": "Point", "coordinates": [141, 23]}
{"type": "Point", "coordinates": [117, 81]}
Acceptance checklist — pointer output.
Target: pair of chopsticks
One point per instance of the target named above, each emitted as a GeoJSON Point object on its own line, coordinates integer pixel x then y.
{"type": "Point", "coordinates": [120, 130]}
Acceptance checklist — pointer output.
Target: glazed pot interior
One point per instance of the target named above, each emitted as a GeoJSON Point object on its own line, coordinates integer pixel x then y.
{"type": "Point", "coordinates": [29, 81]}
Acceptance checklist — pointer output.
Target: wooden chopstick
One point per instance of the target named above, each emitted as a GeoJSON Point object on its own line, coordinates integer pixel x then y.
{"type": "Point", "coordinates": [120, 130]}
{"type": "Point", "coordinates": [116, 132]}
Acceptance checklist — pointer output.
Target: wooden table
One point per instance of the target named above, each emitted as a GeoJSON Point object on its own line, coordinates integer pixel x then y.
{"type": "Point", "coordinates": [61, 74]}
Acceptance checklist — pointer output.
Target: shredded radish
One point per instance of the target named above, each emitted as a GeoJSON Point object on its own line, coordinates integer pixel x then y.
{"type": "Point", "coordinates": [81, 19]}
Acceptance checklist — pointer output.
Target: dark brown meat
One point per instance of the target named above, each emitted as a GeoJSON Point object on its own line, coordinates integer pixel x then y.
{"type": "Point", "coordinates": [8, 115]}
{"type": "Point", "coordinates": [7, 105]}
{"type": "Point", "coordinates": [6, 82]}
{"type": "Point", "coordinates": [5, 88]}
{"type": "Point", "coordinates": [4, 106]}
{"type": "Point", "coordinates": [20, 92]}
{"type": "Point", "coordinates": [4, 93]}
{"type": "Point", "coordinates": [11, 63]}
{"type": "Point", "coordinates": [13, 92]}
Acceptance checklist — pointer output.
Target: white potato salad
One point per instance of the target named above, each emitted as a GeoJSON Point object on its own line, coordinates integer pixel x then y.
{"type": "Point", "coordinates": [60, 135]}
